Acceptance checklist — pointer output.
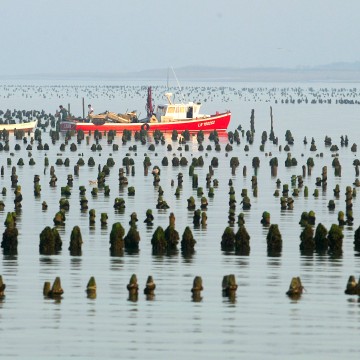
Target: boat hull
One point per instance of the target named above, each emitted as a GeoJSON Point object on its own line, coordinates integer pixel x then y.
{"type": "Point", "coordinates": [28, 126]}
{"type": "Point", "coordinates": [218, 122]}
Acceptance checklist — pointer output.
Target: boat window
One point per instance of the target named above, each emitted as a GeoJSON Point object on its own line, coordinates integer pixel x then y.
{"type": "Point", "coordinates": [161, 109]}
{"type": "Point", "coordinates": [189, 113]}
{"type": "Point", "coordinates": [171, 109]}
{"type": "Point", "coordinates": [182, 109]}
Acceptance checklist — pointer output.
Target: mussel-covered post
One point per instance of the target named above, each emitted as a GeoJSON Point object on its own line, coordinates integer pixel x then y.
{"type": "Point", "coordinates": [197, 288]}
{"type": "Point", "coordinates": [149, 217]}
{"type": "Point", "coordinates": [274, 166]}
{"type": "Point", "coordinates": [228, 239]}
{"type": "Point", "coordinates": [265, 220]}
{"type": "Point", "coordinates": [307, 244]}
{"type": "Point", "coordinates": [274, 240]}
{"type": "Point", "coordinates": [242, 241]}
{"type": "Point", "coordinates": [50, 241]}
{"type": "Point", "coordinates": [10, 236]}
{"type": "Point", "coordinates": [158, 241]}
{"type": "Point", "coordinates": [171, 235]}
{"type": "Point", "coordinates": [75, 241]}
{"type": "Point", "coordinates": [133, 288]}
{"type": "Point", "coordinates": [103, 219]}
{"type": "Point", "coordinates": [18, 197]}
{"type": "Point", "coordinates": [150, 286]}
{"type": "Point", "coordinates": [349, 205]}
{"type": "Point", "coordinates": [2, 287]}
{"type": "Point", "coordinates": [229, 286]}
{"type": "Point", "coordinates": [91, 288]}
{"type": "Point", "coordinates": [187, 242]}
{"type": "Point", "coordinates": [296, 288]}
{"type": "Point", "coordinates": [56, 291]}
{"type": "Point", "coordinates": [132, 239]}
{"type": "Point", "coordinates": [352, 287]}
{"type": "Point", "coordinates": [116, 239]}
{"type": "Point", "coordinates": [92, 216]}
{"type": "Point", "coordinates": [335, 237]}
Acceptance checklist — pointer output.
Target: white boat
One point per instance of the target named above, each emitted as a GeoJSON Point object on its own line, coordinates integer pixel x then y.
{"type": "Point", "coordinates": [25, 126]}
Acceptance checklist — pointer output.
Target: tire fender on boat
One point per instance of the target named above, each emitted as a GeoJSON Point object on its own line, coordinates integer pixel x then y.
{"type": "Point", "coordinates": [145, 126]}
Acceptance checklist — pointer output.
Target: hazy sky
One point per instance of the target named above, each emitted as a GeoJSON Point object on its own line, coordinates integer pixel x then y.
{"type": "Point", "coordinates": [67, 36]}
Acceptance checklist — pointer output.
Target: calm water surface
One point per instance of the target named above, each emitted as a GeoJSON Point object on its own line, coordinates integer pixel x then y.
{"type": "Point", "coordinates": [262, 322]}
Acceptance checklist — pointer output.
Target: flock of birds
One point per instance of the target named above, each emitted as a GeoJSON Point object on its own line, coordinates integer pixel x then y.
{"type": "Point", "coordinates": [202, 94]}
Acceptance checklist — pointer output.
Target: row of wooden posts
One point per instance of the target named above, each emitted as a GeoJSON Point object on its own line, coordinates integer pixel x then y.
{"type": "Point", "coordinates": [229, 287]}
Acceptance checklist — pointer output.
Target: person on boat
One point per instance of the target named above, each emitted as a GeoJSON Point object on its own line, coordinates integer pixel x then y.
{"type": "Point", "coordinates": [63, 113]}
{"type": "Point", "coordinates": [90, 113]}
{"type": "Point", "coordinates": [90, 110]}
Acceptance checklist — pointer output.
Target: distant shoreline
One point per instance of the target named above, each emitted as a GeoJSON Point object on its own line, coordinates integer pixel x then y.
{"type": "Point", "coordinates": [208, 74]}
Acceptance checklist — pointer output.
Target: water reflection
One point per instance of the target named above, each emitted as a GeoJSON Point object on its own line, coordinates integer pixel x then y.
{"type": "Point", "coordinates": [274, 254]}
{"type": "Point", "coordinates": [149, 229]}
{"type": "Point", "coordinates": [133, 297]}
{"type": "Point", "coordinates": [229, 300]}
{"type": "Point", "coordinates": [49, 262]}
{"type": "Point", "coordinates": [196, 297]}
{"type": "Point", "coordinates": [57, 313]}
{"type": "Point", "coordinates": [10, 260]}
{"type": "Point", "coordinates": [227, 253]}
{"type": "Point", "coordinates": [61, 228]}
{"type": "Point", "coordinates": [197, 226]}
{"type": "Point", "coordinates": [91, 312]}
{"type": "Point", "coordinates": [132, 252]}
{"type": "Point", "coordinates": [92, 230]}
{"type": "Point", "coordinates": [354, 300]}
{"type": "Point", "coordinates": [336, 259]}
{"type": "Point", "coordinates": [243, 261]}
{"type": "Point", "coordinates": [294, 299]}
{"type": "Point", "coordinates": [18, 212]}
{"type": "Point", "coordinates": [117, 252]}
{"type": "Point", "coordinates": [321, 253]}
{"type": "Point", "coordinates": [75, 263]}
{"type": "Point", "coordinates": [116, 263]}
{"type": "Point", "coordinates": [188, 256]}
{"type": "Point", "coordinates": [307, 259]}
{"type": "Point", "coordinates": [120, 212]}
{"type": "Point", "coordinates": [171, 253]}
{"type": "Point", "coordinates": [274, 261]}
{"type": "Point", "coordinates": [150, 297]}
{"type": "Point", "coordinates": [243, 251]}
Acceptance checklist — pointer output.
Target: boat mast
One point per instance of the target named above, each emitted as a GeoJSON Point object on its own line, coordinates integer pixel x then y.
{"type": "Point", "coordinates": [149, 105]}
{"type": "Point", "coordinates": [177, 81]}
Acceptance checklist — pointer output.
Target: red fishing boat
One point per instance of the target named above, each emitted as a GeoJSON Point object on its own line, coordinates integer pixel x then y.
{"type": "Point", "coordinates": [166, 118]}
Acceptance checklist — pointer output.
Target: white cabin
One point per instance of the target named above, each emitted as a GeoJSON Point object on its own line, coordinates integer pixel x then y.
{"type": "Point", "coordinates": [178, 112]}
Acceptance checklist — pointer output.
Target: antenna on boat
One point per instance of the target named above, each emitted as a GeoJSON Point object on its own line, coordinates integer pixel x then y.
{"type": "Point", "coordinates": [182, 96]}
{"type": "Point", "coordinates": [167, 80]}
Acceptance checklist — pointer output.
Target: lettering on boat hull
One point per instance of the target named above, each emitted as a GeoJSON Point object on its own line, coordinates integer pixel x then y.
{"type": "Point", "coordinates": [207, 123]}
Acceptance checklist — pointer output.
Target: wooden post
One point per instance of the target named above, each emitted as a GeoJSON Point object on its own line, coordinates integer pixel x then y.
{"type": "Point", "coordinates": [83, 105]}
